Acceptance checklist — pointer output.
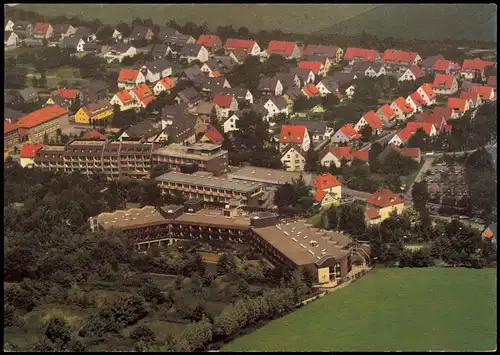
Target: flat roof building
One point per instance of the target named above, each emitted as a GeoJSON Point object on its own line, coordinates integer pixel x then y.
{"type": "Point", "coordinates": [271, 177]}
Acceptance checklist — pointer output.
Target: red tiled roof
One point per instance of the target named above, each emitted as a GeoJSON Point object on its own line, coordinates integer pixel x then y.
{"type": "Point", "coordinates": [280, 47]}
{"type": "Point", "coordinates": [417, 71]}
{"type": "Point", "coordinates": [398, 56]}
{"type": "Point", "coordinates": [388, 112]}
{"type": "Point", "coordinates": [417, 99]}
{"type": "Point", "coordinates": [124, 96]}
{"type": "Point", "coordinates": [428, 90]}
{"type": "Point", "coordinates": [223, 100]}
{"type": "Point", "coordinates": [314, 66]}
{"type": "Point", "coordinates": [442, 64]}
{"type": "Point", "coordinates": [242, 44]}
{"type": "Point", "coordinates": [66, 93]}
{"type": "Point", "coordinates": [443, 81]}
{"type": "Point", "coordinates": [214, 136]}
{"type": "Point", "coordinates": [409, 152]}
{"type": "Point", "coordinates": [319, 195]}
{"type": "Point", "coordinates": [216, 74]}
{"type": "Point", "coordinates": [469, 95]}
{"type": "Point", "coordinates": [403, 105]}
{"type": "Point", "coordinates": [457, 104]}
{"type": "Point", "coordinates": [484, 91]}
{"type": "Point", "coordinates": [146, 101]}
{"type": "Point", "coordinates": [492, 81]}
{"type": "Point", "coordinates": [293, 134]}
{"type": "Point", "coordinates": [373, 120]}
{"type": "Point", "coordinates": [414, 126]}
{"type": "Point", "coordinates": [29, 150]}
{"type": "Point", "coordinates": [433, 118]}
{"type": "Point", "coordinates": [384, 198]}
{"type": "Point", "coordinates": [349, 131]}
{"type": "Point", "coordinates": [40, 116]}
{"type": "Point", "coordinates": [142, 91]}
{"type": "Point", "coordinates": [367, 55]}
{"type": "Point", "coordinates": [447, 128]}
{"type": "Point", "coordinates": [94, 134]}
{"type": "Point", "coordinates": [128, 75]}
{"type": "Point", "coordinates": [310, 90]}
{"type": "Point", "coordinates": [41, 27]}
{"type": "Point", "coordinates": [341, 152]}
{"type": "Point", "coordinates": [404, 134]}
{"type": "Point", "coordinates": [207, 40]}
{"type": "Point", "coordinates": [372, 213]}
{"type": "Point", "coordinates": [167, 83]}
{"type": "Point", "coordinates": [8, 127]}
{"type": "Point", "coordinates": [444, 112]}
{"type": "Point", "coordinates": [475, 64]}
{"type": "Point", "coordinates": [325, 181]}
{"type": "Point", "coordinates": [360, 155]}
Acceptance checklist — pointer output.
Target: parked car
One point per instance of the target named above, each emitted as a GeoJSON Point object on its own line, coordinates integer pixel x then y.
{"type": "Point", "coordinates": [463, 217]}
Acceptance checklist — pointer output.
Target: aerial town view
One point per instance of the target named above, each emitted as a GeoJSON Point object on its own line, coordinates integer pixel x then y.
{"type": "Point", "coordinates": [250, 177]}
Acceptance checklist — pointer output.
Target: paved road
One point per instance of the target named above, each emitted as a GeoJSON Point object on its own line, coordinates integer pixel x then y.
{"type": "Point", "coordinates": [426, 166]}
{"type": "Point", "coordinates": [385, 137]}
{"type": "Point", "coordinates": [489, 147]}
{"type": "Point", "coordinates": [359, 195]}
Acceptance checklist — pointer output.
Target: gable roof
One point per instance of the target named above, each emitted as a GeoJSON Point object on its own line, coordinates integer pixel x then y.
{"type": "Point", "coordinates": [95, 108]}
{"type": "Point", "coordinates": [158, 65]}
{"type": "Point", "coordinates": [427, 89]}
{"type": "Point", "coordinates": [205, 108]}
{"type": "Point", "coordinates": [442, 64]}
{"type": "Point", "coordinates": [189, 95]}
{"type": "Point", "coordinates": [372, 213]}
{"type": "Point", "coordinates": [484, 91]}
{"type": "Point", "coordinates": [208, 83]}
{"type": "Point", "coordinates": [241, 44]}
{"type": "Point", "coordinates": [9, 127]}
{"type": "Point", "coordinates": [124, 96]}
{"type": "Point", "coordinates": [71, 42]}
{"type": "Point", "coordinates": [429, 62]}
{"type": "Point", "coordinates": [213, 136]}
{"type": "Point", "coordinates": [267, 84]}
{"type": "Point", "coordinates": [28, 94]}
{"type": "Point", "coordinates": [361, 54]}
{"type": "Point", "coordinates": [67, 94]}
{"type": "Point", "coordinates": [322, 50]}
{"type": "Point", "coordinates": [292, 134]}
{"type": "Point", "coordinates": [443, 81]}
{"type": "Point", "coordinates": [314, 66]}
{"type": "Point", "coordinates": [193, 73]}
{"type": "Point", "coordinates": [94, 134]}
{"type": "Point", "coordinates": [457, 104]}
{"type": "Point", "coordinates": [310, 90]}
{"type": "Point", "coordinates": [433, 118]}
{"type": "Point", "coordinates": [41, 27]}
{"type": "Point", "coordinates": [492, 81]}
{"type": "Point", "coordinates": [29, 150]}
{"type": "Point", "coordinates": [40, 116]}
{"type": "Point", "coordinates": [279, 101]}
{"type": "Point", "coordinates": [165, 32]}
{"type": "Point", "coordinates": [470, 95]}
{"type": "Point", "coordinates": [384, 198]}
{"type": "Point", "coordinates": [408, 152]}
{"type": "Point", "coordinates": [121, 47]}
{"type": "Point", "coordinates": [417, 71]}
{"type": "Point", "coordinates": [208, 40]}
{"type": "Point", "coordinates": [280, 47]}
{"type": "Point", "coordinates": [362, 67]}
{"type": "Point", "coordinates": [342, 78]}
{"type": "Point", "coordinates": [414, 126]}
{"type": "Point", "coordinates": [128, 75]}
{"type": "Point", "coordinates": [417, 99]}
{"type": "Point", "coordinates": [325, 181]}
{"type": "Point", "coordinates": [143, 129]}
{"type": "Point", "coordinates": [61, 28]}
{"type": "Point", "coordinates": [475, 64]}
{"type": "Point", "coordinates": [398, 56]}
{"type": "Point", "coordinates": [293, 93]}
{"type": "Point", "coordinates": [388, 112]}
{"type": "Point", "coordinates": [349, 131]}
{"type": "Point", "coordinates": [223, 100]}
{"type": "Point", "coordinates": [142, 91]}
{"type": "Point", "coordinates": [312, 126]}
{"type": "Point", "coordinates": [139, 32]}
{"type": "Point", "coordinates": [373, 120]}
{"type": "Point", "coordinates": [191, 49]}
{"type": "Point", "coordinates": [403, 105]}
{"type": "Point", "coordinates": [445, 112]}
{"type": "Point", "coordinates": [167, 83]}
{"type": "Point", "coordinates": [83, 32]}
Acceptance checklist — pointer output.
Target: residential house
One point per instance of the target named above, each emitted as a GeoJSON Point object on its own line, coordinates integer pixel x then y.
{"type": "Point", "coordinates": [334, 156]}
{"type": "Point", "coordinates": [345, 134]}
{"type": "Point", "coordinates": [93, 91]}
{"type": "Point", "coordinates": [492, 82]}
{"type": "Point", "coordinates": [318, 130]}
{"type": "Point", "coordinates": [11, 115]}
{"type": "Point", "coordinates": [166, 32]}
{"type": "Point", "coordinates": [349, 92]}
{"type": "Point", "coordinates": [9, 25]}
{"type": "Point", "coordinates": [473, 98]}
{"type": "Point", "coordinates": [416, 102]}
{"type": "Point", "coordinates": [402, 109]}
{"type": "Point", "coordinates": [140, 92]}
{"type": "Point", "coordinates": [141, 33]}
{"type": "Point", "coordinates": [439, 65]}
{"type": "Point", "coordinates": [40, 123]}
{"type": "Point", "coordinates": [370, 69]}
{"type": "Point", "coordinates": [205, 110]}
{"type": "Point", "coordinates": [117, 36]}
{"type": "Point", "coordinates": [10, 39]}
{"type": "Point", "coordinates": [328, 86]}
{"type": "Point", "coordinates": [191, 52]}
{"type": "Point", "coordinates": [242, 95]}
{"type": "Point", "coordinates": [145, 131]}
{"type": "Point", "coordinates": [333, 53]}
{"type": "Point", "coordinates": [212, 42]}
{"type": "Point", "coordinates": [438, 121]}
{"type": "Point", "coordinates": [73, 42]}
{"type": "Point", "coordinates": [317, 68]}
{"type": "Point", "coordinates": [459, 106]}
{"type": "Point", "coordinates": [93, 134]}
{"type": "Point", "coordinates": [305, 75]}
{"type": "Point", "coordinates": [310, 90]}
{"type": "Point", "coordinates": [490, 233]}
{"type": "Point", "coordinates": [63, 97]}
{"type": "Point", "coordinates": [156, 70]}
{"type": "Point", "coordinates": [193, 75]}
{"type": "Point", "coordinates": [293, 157]}
{"type": "Point", "coordinates": [94, 48]}
{"type": "Point", "coordinates": [146, 101]}
{"type": "Point", "coordinates": [159, 51]}
{"type": "Point", "coordinates": [292, 95]}
{"type": "Point", "coordinates": [230, 124]}
{"type": "Point", "coordinates": [387, 115]}
{"type": "Point", "coordinates": [399, 61]}
{"type": "Point", "coordinates": [120, 51]}
{"type": "Point", "coordinates": [218, 66]}
{"type": "Point", "coordinates": [371, 119]}
{"type": "Point", "coordinates": [402, 137]}
{"type": "Point", "coordinates": [62, 31]}
{"type": "Point", "coordinates": [294, 134]}
{"type": "Point", "coordinates": [413, 153]}
{"type": "Point", "coordinates": [43, 30]}
{"type": "Point", "coordinates": [487, 93]}
{"type": "Point", "coordinates": [473, 67]}
{"type": "Point", "coordinates": [237, 55]}
{"type": "Point", "coordinates": [189, 96]}
{"type": "Point", "coordinates": [328, 190]}
{"type": "Point", "coordinates": [445, 84]}
{"type": "Point", "coordinates": [164, 85]}
{"type": "Point", "coordinates": [182, 130]}
{"type": "Point", "coordinates": [444, 112]}
{"type": "Point", "coordinates": [382, 204]}
{"type": "Point", "coordinates": [210, 86]}
{"type": "Point", "coordinates": [129, 78]}
{"type": "Point", "coordinates": [10, 134]}
{"type": "Point", "coordinates": [353, 55]}
{"type": "Point", "coordinates": [94, 113]}
{"type": "Point", "coordinates": [342, 78]}
{"type": "Point", "coordinates": [23, 29]}
{"type": "Point", "coordinates": [275, 106]}
{"type": "Point", "coordinates": [326, 63]}
{"type": "Point", "coordinates": [270, 87]}
{"type": "Point", "coordinates": [411, 74]}
{"type": "Point", "coordinates": [248, 46]}
{"type": "Point", "coordinates": [289, 50]}
{"type": "Point", "coordinates": [124, 100]}
{"type": "Point", "coordinates": [427, 93]}
{"type": "Point", "coordinates": [225, 105]}
{"type": "Point", "coordinates": [175, 44]}
{"type": "Point", "coordinates": [212, 136]}
{"type": "Point", "coordinates": [288, 80]}
{"type": "Point", "coordinates": [86, 34]}
{"type": "Point", "coordinates": [28, 95]}
{"type": "Point", "coordinates": [28, 153]}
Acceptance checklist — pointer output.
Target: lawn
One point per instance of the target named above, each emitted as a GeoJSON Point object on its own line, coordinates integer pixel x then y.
{"type": "Point", "coordinates": [390, 310]}
{"type": "Point", "coordinates": [257, 17]}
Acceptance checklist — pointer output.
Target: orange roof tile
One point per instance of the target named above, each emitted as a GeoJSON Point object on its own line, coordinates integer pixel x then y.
{"type": "Point", "coordinates": [427, 88]}
{"type": "Point", "coordinates": [360, 155]}
{"type": "Point", "coordinates": [443, 111]}
{"type": "Point", "coordinates": [310, 90]}
{"type": "Point", "coordinates": [403, 105]}
{"type": "Point", "coordinates": [398, 56]}
{"type": "Point", "coordinates": [319, 195]}
{"type": "Point", "coordinates": [443, 81]}
{"type": "Point", "coordinates": [146, 101]}
{"type": "Point", "coordinates": [280, 47]}
{"type": "Point", "coordinates": [349, 131]}
{"type": "Point", "coordinates": [373, 120]}
{"type": "Point", "coordinates": [388, 112]}
{"type": "Point", "coordinates": [475, 64]}
{"type": "Point", "coordinates": [216, 74]}
{"type": "Point", "coordinates": [404, 134]}
{"type": "Point", "coordinates": [41, 27]}
{"type": "Point", "coordinates": [66, 93]}
{"type": "Point", "coordinates": [40, 116]}
{"type": "Point", "coordinates": [8, 127]}
{"type": "Point", "coordinates": [29, 150]}
{"type": "Point", "coordinates": [124, 96]}
{"type": "Point", "coordinates": [128, 75]}
{"type": "Point", "coordinates": [372, 213]}
{"type": "Point", "coordinates": [292, 134]}
{"type": "Point", "coordinates": [342, 152]}
{"type": "Point", "coordinates": [207, 40]}
{"type": "Point", "coordinates": [447, 128]}
{"type": "Point", "coordinates": [223, 100]}
{"type": "Point", "coordinates": [213, 135]}
{"type": "Point", "coordinates": [325, 181]}
{"type": "Point", "coordinates": [142, 91]}
{"type": "Point", "coordinates": [469, 95]}
{"type": "Point", "coordinates": [384, 198]}
{"type": "Point", "coordinates": [417, 99]}
{"type": "Point", "coordinates": [409, 152]}
{"type": "Point", "coordinates": [457, 104]}
{"type": "Point", "coordinates": [442, 64]}
{"type": "Point", "coordinates": [486, 92]}
{"type": "Point", "coordinates": [245, 45]}
{"type": "Point", "coordinates": [167, 83]}
{"type": "Point", "coordinates": [414, 126]}
{"type": "Point", "coordinates": [314, 66]}
{"type": "Point", "coordinates": [366, 55]}
{"type": "Point", "coordinates": [94, 134]}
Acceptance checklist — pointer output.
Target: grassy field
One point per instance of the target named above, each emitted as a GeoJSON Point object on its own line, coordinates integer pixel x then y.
{"type": "Point", "coordinates": [390, 310]}
{"type": "Point", "coordinates": [288, 18]}
{"type": "Point", "coordinates": [423, 21]}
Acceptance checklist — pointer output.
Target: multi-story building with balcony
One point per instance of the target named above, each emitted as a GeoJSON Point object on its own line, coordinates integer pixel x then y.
{"type": "Point", "coordinates": [113, 159]}
{"type": "Point", "coordinates": [199, 156]}
{"type": "Point", "coordinates": [211, 189]}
